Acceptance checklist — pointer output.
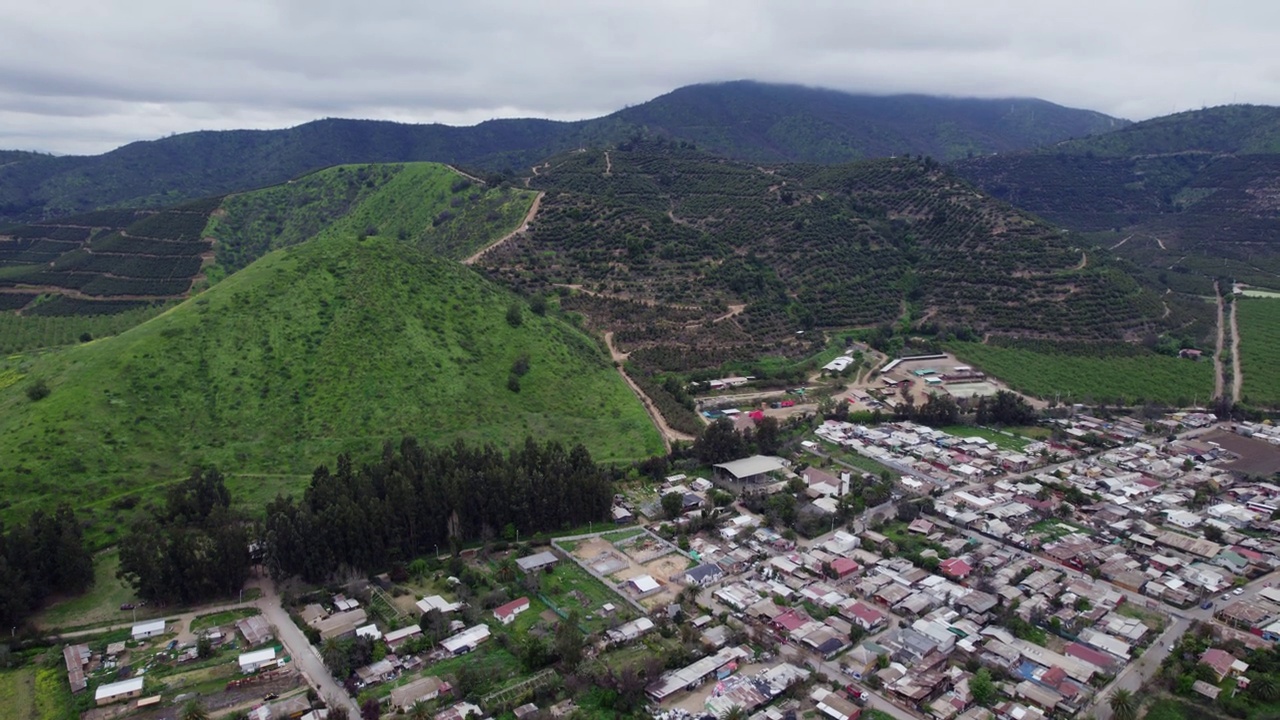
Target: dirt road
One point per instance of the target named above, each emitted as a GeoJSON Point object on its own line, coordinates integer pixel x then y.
{"type": "Point", "coordinates": [1219, 383]}
{"type": "Point", "coordinates": [668, 433]}
{"type": "Point", "coordinates": [472, 178]}
{"type": "Point", "coordinates": [1237, 378]}
{"type": "Point", "coordinates": [528, 218]}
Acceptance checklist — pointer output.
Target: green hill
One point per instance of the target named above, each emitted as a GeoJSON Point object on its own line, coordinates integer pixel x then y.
{"type": "Point", "coordinates": [333, 345]}
{"type": "Point", "coordinates": [746, 120]}
{"type": "Point", "coordinates": [1188, 197]}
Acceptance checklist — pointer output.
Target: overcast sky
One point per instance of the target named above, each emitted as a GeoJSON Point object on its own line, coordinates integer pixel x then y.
{"type": "Point", "coordinates": [84, 77]}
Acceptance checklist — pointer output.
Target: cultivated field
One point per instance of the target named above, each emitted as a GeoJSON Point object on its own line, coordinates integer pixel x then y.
{"type": "Point", "coordinates": [1256, 456]}
{"type": "Point", "coordinates": [633, 556]}
{"type": "Point", "coordinates": [1082, 378]}
{"type": "Point", "coordinates": [18, 694]}
{"type": "Point", "coordinates": [1259, 321]}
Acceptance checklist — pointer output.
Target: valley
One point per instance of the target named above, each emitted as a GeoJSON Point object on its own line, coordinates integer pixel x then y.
{"type": "Point", "coordinates": [755, 382]}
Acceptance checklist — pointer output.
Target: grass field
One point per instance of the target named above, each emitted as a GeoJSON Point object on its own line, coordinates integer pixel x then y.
{"type": "Point", "coordinates": [861, 462]}
{"type": "Point", "coordinates": [1074, 378]}
{"type": "Point", "coordinates": [99, 606]}
{"type": "Point", "coordinates": [1259, 322]}
{"type": "Point", "coordinates": [1007, 442]}
{"type": "Point", "coordinates": [336, 345]}
{"type": "Point", "coordinates": [18, 694]}
{"type": "Point", "coordinates": [567, 579]}
{"type": "Point", "coordinates": [53, 697]}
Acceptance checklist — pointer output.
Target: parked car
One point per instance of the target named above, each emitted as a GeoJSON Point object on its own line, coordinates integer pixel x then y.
{"type": "Point", "coordinates": [271, 696]}
{"type": "Point", "coordinates": [126, 606]}
{"type": "Point", "coordinates": [1226, 596]}
{"type": "Point", "coordinates": [1238, 591]}
{"type": "Point", "coordinates": [1206, 604]}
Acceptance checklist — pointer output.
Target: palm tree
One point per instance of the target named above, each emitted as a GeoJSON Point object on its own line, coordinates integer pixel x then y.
{"type": "Point", "coordinates": [1264, 687]}
{"type": "Point", "coordinates": [193, 710]}
{"type": "Point", "coordinates": [419, 711]}
{"type": "Point", "coordinates": [734, 713]}
{"type": "Point", "coordinates": [1124, 706]}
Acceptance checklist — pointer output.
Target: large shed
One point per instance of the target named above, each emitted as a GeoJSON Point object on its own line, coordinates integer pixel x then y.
{"type": "Point", "coordinates": [753, 470]}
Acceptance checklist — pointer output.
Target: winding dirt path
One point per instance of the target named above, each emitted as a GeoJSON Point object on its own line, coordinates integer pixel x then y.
{"type": "Point", "coordinates": [1237, 378]}
{"type": "Point", "coordinates": [1219, 384]}
{"type": "Point", "coordinates": [473, 178]}
{"type": "Point", "coordinates": [1113, 247]}
{"type": "Point", "coordinates": [608, 165]}
{"type": "Point", "coordinates": [528, 218]}
{"type": "Point", "coordinates": [668, 433]}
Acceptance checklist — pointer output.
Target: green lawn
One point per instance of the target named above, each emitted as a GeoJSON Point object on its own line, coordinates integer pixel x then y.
{"type": "Point", "coordinates": [1052, 529]}
{"type": "Point", "coordinates": [1007, 442]}
{"type": "Point", "coordinates": [861, 462]}
{"type": "Point", "coordinates": [18, 694]}
{"type": "Point", "coordinates": [1259, 321]}
{"type": "Point", "coordinates": [560, 585]}
{"type": "Point", "coordinates": [226, 617]}
{"type": "Point", "coordinates": [1079, 378]}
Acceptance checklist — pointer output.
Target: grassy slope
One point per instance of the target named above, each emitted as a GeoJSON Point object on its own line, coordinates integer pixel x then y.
{"type": "Point", "coordinates": [1079, 379]}
{"type": "Point", "coordinates": [331, 346]}
{"type": "Point", "coordinates": [1259, 320]}
{"type": "Point", "coordinates": [404, 201]}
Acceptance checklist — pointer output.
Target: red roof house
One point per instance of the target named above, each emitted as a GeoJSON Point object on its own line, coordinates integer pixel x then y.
{"type": "Point", "coordinates": [507, 613]}
{"type": "Point", "coordinates": [864, 615]}
{"type": "Point", "coordinates": [844, 567]}
{"type": "Point", "coordinates": [955, 568]}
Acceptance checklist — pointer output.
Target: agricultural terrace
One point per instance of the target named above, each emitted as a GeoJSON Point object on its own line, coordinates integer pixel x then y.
{"type": "Point", "coordinates": [1259, 321]}
{"type": "Point", "coordinates": [1111, 372]}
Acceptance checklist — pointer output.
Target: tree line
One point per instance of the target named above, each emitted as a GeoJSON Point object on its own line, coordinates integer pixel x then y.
{"type": "Point", "coordinates": [192, 548]}
{"type": "Point", "coordinates": [43, 557]}
{"type": "Point", "coordinates": [416, 498]}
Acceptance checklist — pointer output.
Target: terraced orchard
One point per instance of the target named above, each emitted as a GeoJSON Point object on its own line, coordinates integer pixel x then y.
{"type": "Point", "coordinates": [657, 241]}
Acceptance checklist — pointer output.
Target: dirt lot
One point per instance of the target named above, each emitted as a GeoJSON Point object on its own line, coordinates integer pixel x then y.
{"type": "Point", "coordinates": [1256, 456]}
{"type": "Point", "coordinates": [919, 389]}
{"type": "Point", "coordinates": [661, 569]}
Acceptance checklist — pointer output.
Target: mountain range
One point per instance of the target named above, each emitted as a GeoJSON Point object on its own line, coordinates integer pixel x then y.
{"type": "Point", "coordinates": [744, 120]}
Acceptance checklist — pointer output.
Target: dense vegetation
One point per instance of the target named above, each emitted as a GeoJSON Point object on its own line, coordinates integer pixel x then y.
{"type": "Point", "coordinates": [1086, 373]}
{"type": "Point", "coordinates": [421, 203]}
{"type": "Point", "coordinates": [747, 120]}
{"type": "Point", "coordinates": [191, 549]}
{"type": "Point", "coordinates": [658, 240]}
{"type": "Point", "coordinates": [327, 347]}
{"type": "Point", "coordinates": [418, 498]}
{"type": "Point", "coordinates": [41, 557]}
{"type": "Point", "coordinates": [59, 320]}
{"type": "Point", "coordinates": [1188, 196]}
{"type": "Point", "coordinates": [1259, 321]}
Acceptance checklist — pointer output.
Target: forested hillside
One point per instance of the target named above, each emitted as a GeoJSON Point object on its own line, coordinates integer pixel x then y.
{"type": "Point", "coordinates": [751, 121]}
{"type": "Point", "coordinates": [334, 345]}
{"type": "Point", "coordinates": [1190, 197]}
{"type": "Point", "coordinates": [693, 260]}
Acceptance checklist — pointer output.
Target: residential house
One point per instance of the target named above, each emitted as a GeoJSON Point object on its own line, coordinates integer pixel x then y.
{"type": "Point", "coordinates": [506, 614]}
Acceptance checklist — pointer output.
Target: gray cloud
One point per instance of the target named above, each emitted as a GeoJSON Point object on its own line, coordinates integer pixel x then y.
{"type": "Point", "coordinates": [79, 76]}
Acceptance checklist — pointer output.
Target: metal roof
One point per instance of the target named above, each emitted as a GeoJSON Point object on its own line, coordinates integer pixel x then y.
{"type": "Point", "coordinates": [754, 465]}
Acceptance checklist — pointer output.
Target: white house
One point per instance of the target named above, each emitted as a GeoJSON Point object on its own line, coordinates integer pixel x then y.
{"type": "Point", "coordinates": [506, 614]}
{"type": "Point", "coordinates": [115, 692]}
{"type": "Point", "coordinates": [251, 662]}
{"type": "Point", "coordinates": [145, 630]}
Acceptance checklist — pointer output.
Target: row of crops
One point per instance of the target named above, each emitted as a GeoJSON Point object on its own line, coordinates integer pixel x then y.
{"type": "Point", "coordinates": [1099, 373]}
{"type": "Point", "coordinates": [1259, 322]}
{"type": "Point", "coordinates": [105, 254]}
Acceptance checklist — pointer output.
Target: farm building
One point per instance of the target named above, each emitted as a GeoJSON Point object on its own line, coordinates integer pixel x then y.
{"type": "Point", "coordinates": [117, 691]}
{"type": "Point", "coordinates": [643, 585]}
{"type": "Point", "coordinates": [437, 602]}
{"type": "Point", "coordinates": [76, 657]}
{"type": "Point", "coordinates": [467, 640]}
{"type": "Point", "coordinates": [145, 630]}
{"type": "Point", "coordinates": [251, 662]}
{"type": "Point", "coordinates": [506, 614]}
{"type": "Point", "coordinates": [752, 470]}
{"type": "Point", "coordinates": [720, 665]}
{"type": "Point", "coordinates": [396, 638]}
{"type": "Point", "coordinates": [422, 689]}
{"type": "Point", "coordinates": [255, 629]}
{"type": "Point", "coordinates": [537, 561]}
{"type": "Point", "coordinates": [341, 624]}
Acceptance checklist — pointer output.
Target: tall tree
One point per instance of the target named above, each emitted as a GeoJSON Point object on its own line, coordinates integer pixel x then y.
{"type": "Point", "coordinates": [1124, 706]}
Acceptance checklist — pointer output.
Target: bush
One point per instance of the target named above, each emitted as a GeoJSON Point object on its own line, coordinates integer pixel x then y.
{"type": "Point", "coordinates": [38, 390]}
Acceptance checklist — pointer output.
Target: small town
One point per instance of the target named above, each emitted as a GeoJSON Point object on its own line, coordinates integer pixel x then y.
{"type": "Point", "coordinates": [984, 576]}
